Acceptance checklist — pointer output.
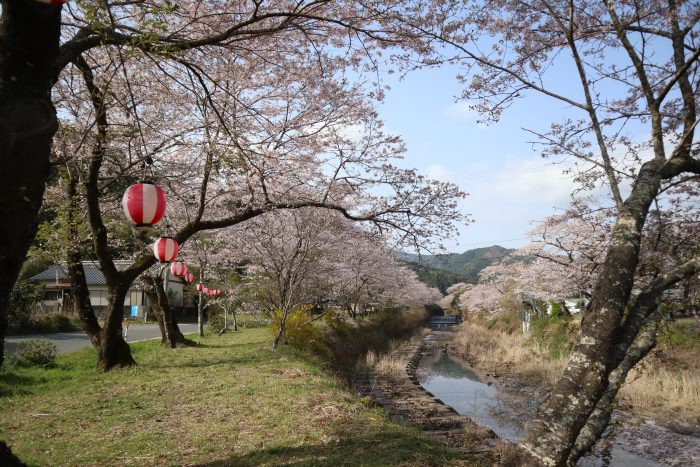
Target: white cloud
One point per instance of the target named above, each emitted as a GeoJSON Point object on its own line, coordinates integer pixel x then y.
{"type": "Point", "coordinates": [439, 173]}
{"type": "Point", "coordinates": [504, 201]}
{"type": "Point", "coordinates": [460, 111]}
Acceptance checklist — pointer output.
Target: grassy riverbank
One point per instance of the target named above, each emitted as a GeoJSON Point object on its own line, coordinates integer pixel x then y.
{"type": "Point", "coordinates": [232, 401]}
{"type": "Point", "coordinates": [666, 382]}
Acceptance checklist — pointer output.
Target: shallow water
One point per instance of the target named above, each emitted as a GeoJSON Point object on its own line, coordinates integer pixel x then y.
{"type": "Point", "coordinates": [464, 389]}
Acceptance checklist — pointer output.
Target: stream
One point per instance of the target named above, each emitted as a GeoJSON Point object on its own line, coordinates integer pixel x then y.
{"type": "Point", "coordinates": [473, 395]}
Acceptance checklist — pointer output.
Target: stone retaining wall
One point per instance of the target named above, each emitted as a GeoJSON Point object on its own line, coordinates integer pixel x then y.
{"type": "Point", "coordinates": [406, 401]}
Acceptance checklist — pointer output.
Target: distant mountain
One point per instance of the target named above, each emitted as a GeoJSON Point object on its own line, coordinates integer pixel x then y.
{"type": "Point", "coordinates": [433, 277]}
{"type": "Point", "coordinates": [466, 266]}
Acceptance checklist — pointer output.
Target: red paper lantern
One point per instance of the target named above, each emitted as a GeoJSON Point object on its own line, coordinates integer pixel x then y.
{"type": "Point", "coordinates": [144, 204]}
{"type": "Point", "coordinates": [178, 268]}
{"type": "Point", "coordinates": [200, 287]}
{"type": "Point", "coordinates": [206, 290]}
{"type": "Point", "coordinates": [165, 249]}
{"type": "Point", "coordinates": [189, 277]}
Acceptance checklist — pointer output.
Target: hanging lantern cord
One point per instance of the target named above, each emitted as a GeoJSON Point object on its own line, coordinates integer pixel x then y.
{"type": "Point", "coordinates": [146, 159]}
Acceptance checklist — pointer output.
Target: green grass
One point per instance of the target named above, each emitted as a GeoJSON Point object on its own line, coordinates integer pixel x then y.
{"type": "Point", "coordinates": [681, 333]}
{"type": "Point", "coordinates": [232, 401]}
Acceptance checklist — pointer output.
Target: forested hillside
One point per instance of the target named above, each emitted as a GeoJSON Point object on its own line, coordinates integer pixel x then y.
{"type": "Point", "coordinates": [444, 270]}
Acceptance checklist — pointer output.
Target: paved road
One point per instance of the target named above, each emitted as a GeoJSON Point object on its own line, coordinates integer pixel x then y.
{"type": "Point", "coordinates": [70, 341]}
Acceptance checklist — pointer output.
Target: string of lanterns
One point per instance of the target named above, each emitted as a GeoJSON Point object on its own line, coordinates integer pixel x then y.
{"type": "Point", "coordinates": [144, 206]}
{"type": "Point", "coordinates": [207, 291]}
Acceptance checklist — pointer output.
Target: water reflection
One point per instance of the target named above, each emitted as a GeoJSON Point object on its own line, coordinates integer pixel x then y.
{"type": "Point", "coordinates": [463, 389]}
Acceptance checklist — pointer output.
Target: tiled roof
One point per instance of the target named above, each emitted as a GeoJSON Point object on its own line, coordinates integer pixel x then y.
{"type": "Point", "coordinates": [93, 274]}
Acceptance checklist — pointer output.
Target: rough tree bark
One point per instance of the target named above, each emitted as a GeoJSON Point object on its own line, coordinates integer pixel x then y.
{"type": "Point", "coordinates": [79, 288]}
{"type": "Point", "coordinates": [170, 331]}
{"type": "Point", "coordinates": [200, 316]}
{"type": "Point", "coordinates": [551, 436]}
{"type": "Point", "coordinates": [606, 335]}
{"type": "Point", "coordinates": [81, 298]}
{"type": "Point", "coordinates": [600, 417]}
{"type": "Point", "coordinates": [113, 351]}
{"type": "Point", "coordinates": [29, 40]}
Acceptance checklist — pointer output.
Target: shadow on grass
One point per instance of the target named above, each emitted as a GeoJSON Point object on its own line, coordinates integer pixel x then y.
{"type": "Point", "coordinates": [387, 448]}
{"type": "Point", "coordinates": [198, 362]}
{"type": "Point", "coordinates": [14, 384]}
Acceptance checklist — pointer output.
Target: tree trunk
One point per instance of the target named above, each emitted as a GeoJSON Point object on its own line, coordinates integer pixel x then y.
{"type": "Point", "coordinates": [29, 33]}
{"type": "Point", "coordinates": [280, 332]}
{"type": "Point", "coordinates": [600, 418]}
{"type": "Point", "coordinates": [80, 292]}
{"type": "Point", "coordinates": [235, 322]}
{"type": "Point", "coordinates": [152, 295]}
{"type": "Point", "coordinates": [200, 317]}
{"type": "Point", "coordinates": [170, 331]}
{"type": "Point", "coordinates": [113, 351]}
{"type": "Point", "coordinates": [551, 436]}
{"type": "Point", "coordinates": [81, 297]}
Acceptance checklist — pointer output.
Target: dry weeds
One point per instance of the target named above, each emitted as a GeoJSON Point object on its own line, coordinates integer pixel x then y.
{"type": "Point", "coordinates": [496, 349]}
{"type": "Point", "coordinates": [385, 365]}
{"type": "Point", "coordinates": [660, 391]}
{"type": "Point", "coordinates": [659, 387]}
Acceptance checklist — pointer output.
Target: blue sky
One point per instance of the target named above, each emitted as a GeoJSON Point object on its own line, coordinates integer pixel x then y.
{"type": "Point", "coordinates": [508, 182]}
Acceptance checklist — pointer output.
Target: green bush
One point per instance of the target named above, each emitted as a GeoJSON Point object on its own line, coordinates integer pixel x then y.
{"type": "Point", "coordinates": [556, 334]}
{"type": "Point", "coordinates": [215, 324]}
{"type": "Point", "coordinates": [682, 333]}
{"type": "Point", "coordinates": [556, 312]}
{"type": "Point", "coordinates": [23, 298]}
{"type": "Point", "coordinates": [340, 341]}
{"type": "Point", "coordinates": [36, 352]}
{"type": "Point", "coordinates": [52, 322]}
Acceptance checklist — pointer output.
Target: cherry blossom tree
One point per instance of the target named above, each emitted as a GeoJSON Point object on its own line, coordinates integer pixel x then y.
{"type": "Point", "coordinates": [311, 256]}
{"type": "Point", "coordinates": [632, 129]}
{"type": "Point", "coordinates": [203, 50]}
{"type": "Point", "coordinates": [254, 103]}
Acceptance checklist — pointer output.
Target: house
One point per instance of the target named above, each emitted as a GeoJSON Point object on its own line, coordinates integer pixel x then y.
{"type": "Point", "coordinates": [57, 290]}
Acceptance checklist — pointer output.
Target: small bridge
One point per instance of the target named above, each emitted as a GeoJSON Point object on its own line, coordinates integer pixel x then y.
{"type": "Point", "coordinates": [444, 322]}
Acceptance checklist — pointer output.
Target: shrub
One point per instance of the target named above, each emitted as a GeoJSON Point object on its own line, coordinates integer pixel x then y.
{"type": "Point", "coordinates": [299, 329]}
{"type": "Point", "coordinates": [215, 324]}
{"type": "Point", "coordinates": [342, 342]}
{"type": "Point", "coordinates": [52, 322]}
{"type": "Point", "coordinates": [557, 335]}
{"type": "Point", "coordinates": [556, 312]}
{"type": "Point", "coordinates": [36, 352]}
{"type": "Point", "coordinates": [23, 297]}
